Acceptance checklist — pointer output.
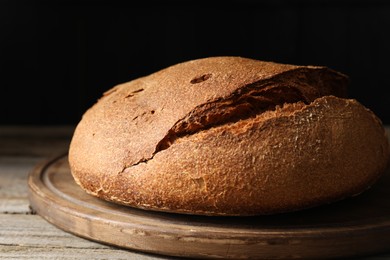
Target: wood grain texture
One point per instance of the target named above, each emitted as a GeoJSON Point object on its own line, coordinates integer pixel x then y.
{"type": "Point", "coordinates": [24, 235]}
{"type": "Point", "coordinates": [30, 141]}
{"type": "Point", "coordinates": [13, 189]}
{"type": "Point", "coordinates": [30, 237]}
{"type": "Point", "coordinates": [353, 227]}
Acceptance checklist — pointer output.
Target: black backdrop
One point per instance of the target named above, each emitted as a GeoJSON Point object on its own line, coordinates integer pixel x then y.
{"type": "Point", "coordinates": [58, 57]}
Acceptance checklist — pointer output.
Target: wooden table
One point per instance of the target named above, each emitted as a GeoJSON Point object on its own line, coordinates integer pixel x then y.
{"type": "Point", "coordinates": [25, 235]}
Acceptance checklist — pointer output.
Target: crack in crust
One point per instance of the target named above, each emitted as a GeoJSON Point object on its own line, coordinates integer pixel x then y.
{"type": "Point", "coordinates": [239, 106]}
{"type": "Point", "coordinates": [235, 108]}
{"type": "Point", "coordinates": [290, 87]}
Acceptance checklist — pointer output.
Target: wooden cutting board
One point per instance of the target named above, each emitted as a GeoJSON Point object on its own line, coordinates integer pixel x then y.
{"type": "Point", "coordinates": [353, 227]}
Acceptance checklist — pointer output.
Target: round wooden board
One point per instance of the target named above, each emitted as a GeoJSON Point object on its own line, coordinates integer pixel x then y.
{"type": "Point", "coordinates": [353, 227]}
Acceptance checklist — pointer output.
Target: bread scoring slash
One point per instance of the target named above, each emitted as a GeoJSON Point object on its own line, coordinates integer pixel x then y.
{"type": "Point", "coordinates": [229, 136]}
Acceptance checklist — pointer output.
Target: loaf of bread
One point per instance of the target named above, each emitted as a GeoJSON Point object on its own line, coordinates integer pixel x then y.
{"type": "Point", "coordinates": [229, 136]}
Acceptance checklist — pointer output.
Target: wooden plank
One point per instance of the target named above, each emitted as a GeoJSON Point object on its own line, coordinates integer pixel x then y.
{"type": "Point", "coordinates": [13, 184]}
{"type": "Point", "coordinates": [34, 141]}
{"type": "Point", "coordinates": [26, 252]}
{"type": "Point", "coordinates": [27, 236]}
{"type": "Point", "coordinates": [31, 237]}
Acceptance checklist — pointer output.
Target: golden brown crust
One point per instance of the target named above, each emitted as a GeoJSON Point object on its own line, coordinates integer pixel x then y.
{"type": "Point", "coordinates": [229, 136]}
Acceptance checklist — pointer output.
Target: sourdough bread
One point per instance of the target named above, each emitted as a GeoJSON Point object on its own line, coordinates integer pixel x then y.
{"type": "Point", "coordinates": [229, 136]}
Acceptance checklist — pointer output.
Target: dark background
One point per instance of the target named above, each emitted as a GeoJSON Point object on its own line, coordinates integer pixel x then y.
{"type": "Point", "coordinates": [58, 57]}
